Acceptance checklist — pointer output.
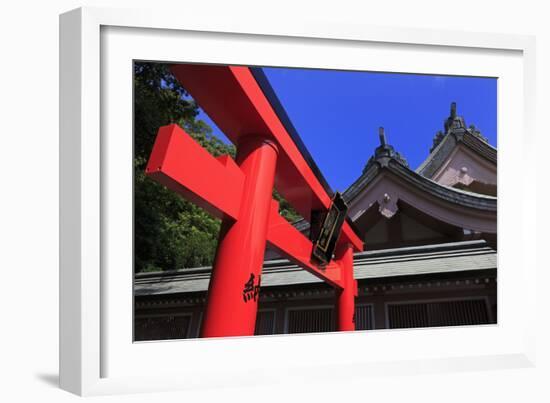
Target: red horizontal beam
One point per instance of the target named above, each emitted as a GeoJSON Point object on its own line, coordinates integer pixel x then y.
{"type": "Point", "coordinates": [183, 165]}
{"type": "Point", "coordinates": [295, 246]}
{"type": "Point", "coordinates": [235, 102]}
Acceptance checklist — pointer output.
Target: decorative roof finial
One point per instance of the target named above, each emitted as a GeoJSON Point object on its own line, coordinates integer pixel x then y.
{"type": "Point", "coordinates": [382, 136]}
{"type": "Point", "coordinates": [454, 122]}
{"type": "Point", "coordinates": [384, 153]}
{"type": "Point", "coordinates": [453, 110]}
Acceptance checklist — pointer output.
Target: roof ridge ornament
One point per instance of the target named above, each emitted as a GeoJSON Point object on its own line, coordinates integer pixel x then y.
{"type": "Point", "coordinates": [382, 136]}
{"type": "Point", "coordinates": [453, 110]}
{"type": "Point", "coordinates": [454, 122]}
{"type": "Point", "coordinates": [476, 132]}
{"type": "Point", "coordinates": [384, 152]}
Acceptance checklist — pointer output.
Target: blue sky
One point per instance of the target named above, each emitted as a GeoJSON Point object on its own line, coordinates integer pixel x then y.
{"type": "Point", "coordinates": [337, 113]}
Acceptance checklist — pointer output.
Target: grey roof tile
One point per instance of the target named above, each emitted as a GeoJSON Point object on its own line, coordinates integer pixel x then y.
{"type": "Point", "coordinates": [408, 261]}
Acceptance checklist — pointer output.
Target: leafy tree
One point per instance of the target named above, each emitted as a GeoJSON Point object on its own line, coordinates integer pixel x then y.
{"type": "Point", "coordinates": [285, 209]}
{"type": "Point", "coordinates": [170, 232]}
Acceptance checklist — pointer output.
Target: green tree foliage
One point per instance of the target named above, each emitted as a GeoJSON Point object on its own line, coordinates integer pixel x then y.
{"type": "Point", "coordinates": [285, 209]}
{"type": "Point", "coordinates": [170, 232]}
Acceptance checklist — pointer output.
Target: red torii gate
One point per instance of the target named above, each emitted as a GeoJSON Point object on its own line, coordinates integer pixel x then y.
{"type": "Point", "coordinates": [240, 193]}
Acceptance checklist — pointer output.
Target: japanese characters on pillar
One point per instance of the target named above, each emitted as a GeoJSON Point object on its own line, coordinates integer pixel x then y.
{"type": "Point", "coordinates": [240, 193]}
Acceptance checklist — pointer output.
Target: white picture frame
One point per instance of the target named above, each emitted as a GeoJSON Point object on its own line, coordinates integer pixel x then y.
{"type": "Point", "coordinates": [97, 357]}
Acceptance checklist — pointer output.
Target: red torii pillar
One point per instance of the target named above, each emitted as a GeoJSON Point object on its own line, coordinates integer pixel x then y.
{"type": "Point", "coordinates": [346, 296]}
{"type": "Point", "coordinates": [234, 287]}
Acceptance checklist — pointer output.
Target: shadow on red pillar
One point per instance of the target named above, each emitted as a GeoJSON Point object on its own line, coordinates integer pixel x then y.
{"type": "Point", "coordinates": [346, 296]}
{"type": "Point", "coordinates": [234, 289]}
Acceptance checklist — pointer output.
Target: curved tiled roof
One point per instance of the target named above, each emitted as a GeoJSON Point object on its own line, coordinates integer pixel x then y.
{"type": "Point", "coordinates": [426, 185]}
{"type": "Point", "coordinates": [382, 162]}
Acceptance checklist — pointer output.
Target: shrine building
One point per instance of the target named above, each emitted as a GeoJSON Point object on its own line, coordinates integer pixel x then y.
{"type": "Point", "coordinates": [429, 259]}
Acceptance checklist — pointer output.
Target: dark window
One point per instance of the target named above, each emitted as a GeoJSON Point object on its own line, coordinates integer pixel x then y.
{"type": "Point", "coordinates": [162, 327]}
{"type": "Point", "coordinates": [364, 317]}
{"type": "Point", "coordinates": [310, 320]}
{"type": "Point", "coordinates": [444, 313]}
{"type": "Point", "coordinates": [265, 323]}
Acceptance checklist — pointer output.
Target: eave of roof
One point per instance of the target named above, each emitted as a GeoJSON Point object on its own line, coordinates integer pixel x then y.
{"type": "Point", "coordinates": [408, 261]}
{"type": "Point", "coordinates": [426, 185]}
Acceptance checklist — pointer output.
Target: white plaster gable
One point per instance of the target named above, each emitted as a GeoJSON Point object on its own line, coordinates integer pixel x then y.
{"type": "Point", "coordinates": [463, 166]}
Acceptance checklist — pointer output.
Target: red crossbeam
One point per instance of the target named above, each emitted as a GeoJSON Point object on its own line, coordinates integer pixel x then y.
{"type": "Point", "coordinates": [183, 165]}
{"type": "Point", "coordinates": [296, 247]}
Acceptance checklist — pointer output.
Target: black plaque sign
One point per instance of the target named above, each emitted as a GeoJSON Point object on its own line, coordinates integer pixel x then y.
{"type": "Point", "coordinates": [325, 242]}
